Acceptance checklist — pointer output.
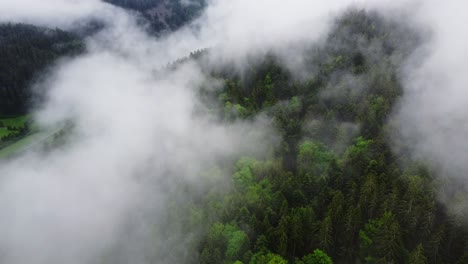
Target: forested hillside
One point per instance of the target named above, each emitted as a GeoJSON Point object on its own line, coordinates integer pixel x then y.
{"type": "Point", "coordinates": [164, 15]}
{"type": "Point", "coordinates": [25, 52]}
{"type": "Point", "coordinates": [331, 187]}
{"type": "Point", "coordinates": [333, 191]}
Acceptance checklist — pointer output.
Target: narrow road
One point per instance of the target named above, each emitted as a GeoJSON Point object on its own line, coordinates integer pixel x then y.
{"type": "Point", "coordinates": [23, 145]}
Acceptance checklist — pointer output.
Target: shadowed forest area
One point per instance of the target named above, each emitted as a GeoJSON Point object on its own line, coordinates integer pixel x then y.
{"type": "Point", "coordinates": [26, 51]}
{"type": "Point", "coordinates": [163, 16]}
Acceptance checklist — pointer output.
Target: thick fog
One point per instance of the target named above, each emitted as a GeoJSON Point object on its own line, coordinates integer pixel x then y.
{"type": "Point", "coordinates": [136, 135]}
{"type": "Point", "coordinates": [103, 196]}
{"type": "Point", "coordinates": [433, 115]}
{"type": "Point", "coordinates": [61, 13]}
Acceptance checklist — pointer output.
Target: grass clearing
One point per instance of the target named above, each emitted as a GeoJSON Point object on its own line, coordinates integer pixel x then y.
{"type": "Point", "coordinates": [34, 137]}
{"type": "Point", "coordinates": [15, 121]}
{"type": "Point", "coordinates": [11, 127]}
{"type": "Point", "coordinates": [5, 132]}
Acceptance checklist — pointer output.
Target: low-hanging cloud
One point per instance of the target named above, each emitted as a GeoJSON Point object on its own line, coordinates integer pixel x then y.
{"type": "Point", "coordinates": [136, 132]}
{"type": "Point", "coordinates": [48, 13]}
{"type": "Point", "coordinates": [432, 117]}
{"type": "Point", "coordinates": [133, 133]}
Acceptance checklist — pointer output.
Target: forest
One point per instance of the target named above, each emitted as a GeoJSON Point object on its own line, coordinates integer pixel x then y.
{"type": "Point", "coordinates": [332, 190]}
{"type": "Point", "coordinates": [163, 16]}
{"type": "Point", "coordinates": [26, 51]}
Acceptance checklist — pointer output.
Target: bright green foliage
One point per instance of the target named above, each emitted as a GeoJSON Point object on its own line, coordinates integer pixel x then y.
{"type": "Point", "coordinates": [244, 177]}
{"type": "Point", "coordinates": [259, 194]}
{"type": "Point", "coordinates": [13, 128]}
{"type": "Point", "coordinates": [268, 87]}
{"type": "Point", "coordinates": [332, 180]}
{"type": "Point", "coordinates": [267, 83]}
{"type": "Point", "coordinates": [4, 132]}
{"type": "Point", "coordinates": [317, 257]}
{"type": "Point", "coordinates": [238, 242]}
{"type": "Point", "coordinates": [18, 122]}
{"type": "Point", "coordinates": [267, 258]}
{"type": "Point", "coordinates": [381, 240]}
{"type": "Point", "coordinates": [295, 104]}
{"type": "Point", "coordinates": [313, 158]}
{"type": "Point", "coordinates": [241, 111]}
{"type": "Point", "coordinates": [235, 111]}
{"type": "Point", "coordinates": [360, 149]}
{"type": "Point", "coordinates": [224, 241]}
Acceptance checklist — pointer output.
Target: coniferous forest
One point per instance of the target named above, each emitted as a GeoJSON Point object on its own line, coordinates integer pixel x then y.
{"type": "Point", "coordinates": [333, 191]}
{"type": "Point", "coordinates": [333, 187]}
{"type": "Point", "coordinates": [163, 15]}
{"type": "Point", "coordinates": [27, 50]}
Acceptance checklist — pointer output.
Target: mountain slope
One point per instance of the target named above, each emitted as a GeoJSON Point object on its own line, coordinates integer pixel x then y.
{"type": "Point", "coordinates": [27, 50]}
{"type": "Point", "coordinates": [163, 15]}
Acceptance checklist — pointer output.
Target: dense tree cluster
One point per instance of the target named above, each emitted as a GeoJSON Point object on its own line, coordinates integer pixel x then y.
{"type": "Point", "coordinates": [333, 189]}
{"type": "Point", "coordinates": [164, 15]}
{"type": "Point", "coordinates": [25, 51]}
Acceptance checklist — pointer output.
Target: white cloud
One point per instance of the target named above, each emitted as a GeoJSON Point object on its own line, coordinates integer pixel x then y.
{"type": "Point", "coordinates": [48, 12]}
{"type": "Point", "coordinates": [70, 206]}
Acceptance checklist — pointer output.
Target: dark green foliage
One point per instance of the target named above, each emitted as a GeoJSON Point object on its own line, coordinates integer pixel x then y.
{"type": "Point", "coordinates": [163, 15]}
{"type": "Point", "coordinates": [333, 183]}
{"type": "Point", "coordinates": [381, 240]}
{"type": "Point", "coordinates": [13, 128]}
{"type": "Point", "coordinates": [331, 191]}
{"type": "Point", "coordinates": [25, 51]}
